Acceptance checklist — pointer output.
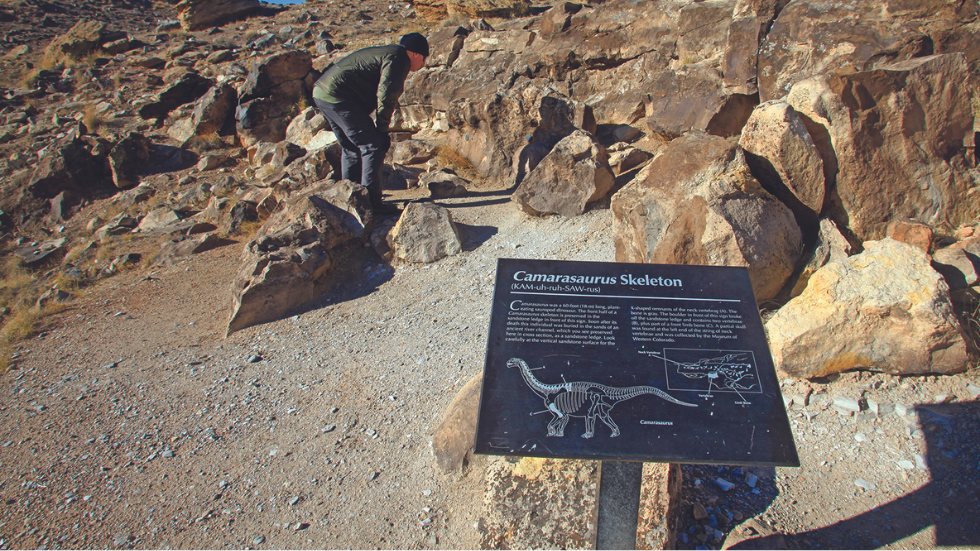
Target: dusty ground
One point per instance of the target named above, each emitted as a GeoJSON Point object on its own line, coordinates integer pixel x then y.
{"type": "Point", "coordinates": [131, 422]}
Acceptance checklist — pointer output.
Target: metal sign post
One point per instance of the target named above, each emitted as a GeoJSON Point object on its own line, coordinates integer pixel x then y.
{"type": "Point", "coordinates": [619, 504]}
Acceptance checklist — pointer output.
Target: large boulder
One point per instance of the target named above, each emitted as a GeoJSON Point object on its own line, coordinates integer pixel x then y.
{"type": "Point", "coordinates": [897, 134]}
{"type": "Point", "coordinates": [198, 14]}
{"type": "Point", "coordinates": [185, 89]}
{"type": "Point", "coordinates": [885, 309]}
{"type": "Point", "coordinates": [72, 164]}
{"type": "Point", "coordinates": [575, 173]}
{"type": "Point", "coordinates": [504, 137]}
{"type": "Point", "coordinates": [271, 96]}
{"type": "Point", "coordinates": [698, 203]}
{"type": "Point", "coordinates": [784, 157]}
{"type": "Point", "coordinates": [283, 265]}
{"type": "Point", "coordinates": [273, 73]}
{"type": "Point", "coordinates": [425, 233]}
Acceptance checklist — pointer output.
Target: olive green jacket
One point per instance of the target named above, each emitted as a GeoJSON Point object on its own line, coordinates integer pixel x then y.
{"type": "Point", "coordinates": [371, 78]}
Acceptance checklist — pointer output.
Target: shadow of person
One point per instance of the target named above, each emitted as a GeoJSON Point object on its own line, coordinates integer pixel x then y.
{"type": "Point", "coordinates": [949, 503]}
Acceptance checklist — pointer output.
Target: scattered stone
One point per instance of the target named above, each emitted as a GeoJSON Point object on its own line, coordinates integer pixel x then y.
{"type": "Point", "coordinates": [700, 513]}
{"type": "Point", "coordinates": [258, 540]}
{"type": "Point", "coordinates": [750, 480]}
{"type": "Point", "coordinates": [724, 484]}
{"type": "Point", "coordinates": [847, 404]}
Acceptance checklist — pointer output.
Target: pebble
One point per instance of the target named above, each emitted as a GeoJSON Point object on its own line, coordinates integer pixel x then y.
{"type": "Point", "coordinates": [860, 437]}
{"type": "Point", "coordinates": [258, 540]}
{"type": "Point", "coordinates": [373, 476]}
{"type": "Point", "coordinates": [724, 484]}
{"type": "Point", "coordinates": [254, 358]}
{"type": "Point", "coordinates": [750, 480]}
{"type": "Point", "coordinates": [294, 500]}
{"type": "Point", "coordinates": [905, 464]}
{"type": "Point", "coordinates": [167, 453]}
{"type": "Point", "coordinates": [328, 428]}
{"type": "Point", "coordinates": [864, 484]}
{"type": "Point", "coordinates": [700, 513]}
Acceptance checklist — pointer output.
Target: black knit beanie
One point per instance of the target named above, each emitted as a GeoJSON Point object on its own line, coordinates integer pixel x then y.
{"type": "Point", "coordinates": [414, 42]}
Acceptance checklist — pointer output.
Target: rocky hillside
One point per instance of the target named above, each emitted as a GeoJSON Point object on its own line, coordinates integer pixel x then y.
{"type": "Point", "coordinates": [829, 148]}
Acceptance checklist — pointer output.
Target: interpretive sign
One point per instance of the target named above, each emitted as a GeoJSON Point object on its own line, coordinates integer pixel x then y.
{"type": "Point", "coordinates": [643, 362]}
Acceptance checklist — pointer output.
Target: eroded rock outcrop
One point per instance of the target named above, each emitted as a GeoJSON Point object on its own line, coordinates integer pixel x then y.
{"type": "Point", "coordinates": [897, 134]}
{"type": "Point", "coordinates": [885, 309]}
{"type": "Point", "coordinates": [197, 14]}
{"type": "Point", "coordinates": [697, 203]}
{"type": "Point", "coordinates": [294, 249]}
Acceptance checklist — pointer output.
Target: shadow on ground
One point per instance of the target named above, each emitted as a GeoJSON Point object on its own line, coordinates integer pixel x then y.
{"type": "Point", "coordinates": [949, 502]}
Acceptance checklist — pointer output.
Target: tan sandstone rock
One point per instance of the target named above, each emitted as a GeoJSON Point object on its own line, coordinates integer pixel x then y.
{"type": "Point", "coordinates": [197, 14]}
{"type": "Point", "coordinates": [885, 309]}
{"type": "Point", "coordinates": [697, 203]}
{"type": "Point", "coordinates": [452, 442]}
{"type": "Point", "coordinates": [784, 156]}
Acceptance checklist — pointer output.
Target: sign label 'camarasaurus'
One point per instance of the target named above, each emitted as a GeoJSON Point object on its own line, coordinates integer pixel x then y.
{"type": "Point", "coordinates": [639, 362]}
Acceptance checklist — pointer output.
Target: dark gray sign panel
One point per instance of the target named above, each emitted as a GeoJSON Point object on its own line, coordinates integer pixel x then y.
{"type": "Point", "coordinates": [637, 362]}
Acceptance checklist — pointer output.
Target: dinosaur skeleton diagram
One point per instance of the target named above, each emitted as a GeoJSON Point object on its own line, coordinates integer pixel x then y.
{"type": "Point", "coordinates": [583, 399]}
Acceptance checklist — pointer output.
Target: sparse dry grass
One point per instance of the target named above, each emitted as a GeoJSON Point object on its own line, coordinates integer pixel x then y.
{"type": "Point", "coordinates": [206, 142]}
{"type": "Point", "coordinates": [92, 119]}
{"type": "Point", "coordinates": [451, 158]}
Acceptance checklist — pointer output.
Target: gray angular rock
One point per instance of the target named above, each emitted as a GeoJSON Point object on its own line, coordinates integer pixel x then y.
{"type": "Point", "coordinates": [425, 233]}
{"type": "Point", "coordinates": [575, 173]}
